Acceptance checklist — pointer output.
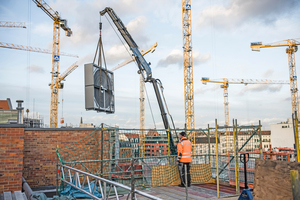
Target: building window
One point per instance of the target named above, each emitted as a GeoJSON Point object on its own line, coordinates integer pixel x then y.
{"type": "Point", "coordinates": [284, 126]}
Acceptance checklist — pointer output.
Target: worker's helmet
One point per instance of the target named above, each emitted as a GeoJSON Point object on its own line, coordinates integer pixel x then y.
{"type": "Point", "coordinates": [182, 133]}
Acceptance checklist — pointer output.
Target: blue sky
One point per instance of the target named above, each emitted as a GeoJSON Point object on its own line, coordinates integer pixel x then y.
{"type": "Point", "coordinates": [222, 33]}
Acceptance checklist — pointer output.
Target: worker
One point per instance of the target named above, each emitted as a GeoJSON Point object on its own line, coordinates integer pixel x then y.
{"type": "Point", "coordinates": [184, 150]}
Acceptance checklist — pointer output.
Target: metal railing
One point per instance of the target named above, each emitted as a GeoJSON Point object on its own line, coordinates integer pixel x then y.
{"type": "Point", "coordinates": [78, 179]}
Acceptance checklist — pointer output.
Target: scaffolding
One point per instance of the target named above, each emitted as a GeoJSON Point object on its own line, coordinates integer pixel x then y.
{"type": "Point", "coordinates": [111, 153]}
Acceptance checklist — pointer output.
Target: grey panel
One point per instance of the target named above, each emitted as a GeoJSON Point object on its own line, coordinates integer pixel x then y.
{"type": "Point", "coordinates": [99, 89]}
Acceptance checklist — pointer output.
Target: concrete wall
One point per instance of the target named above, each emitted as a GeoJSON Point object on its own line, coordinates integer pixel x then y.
{"type": "Point", "coordinates": [282, 134]}
{"type": "Point", "coordinates": [11, 158]}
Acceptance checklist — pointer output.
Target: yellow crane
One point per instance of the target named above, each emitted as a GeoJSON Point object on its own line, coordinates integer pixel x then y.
{"type": "Point", "coordinates": [188, 65]}
{"type": "Point", "coordinates": [58, 84]}
{"type": "Point", "coordinates": [225, 84]}
{"type": "Point", "coordinates": [142, 98]}
{"type": "Point", "coordinates": [33, 49]}
{"type": "Point", "coordinates": [57, 24]}
{"type": "Point", "coordinates": [292, 47]}
{"type": "Point", "coordinates": [12, 24]}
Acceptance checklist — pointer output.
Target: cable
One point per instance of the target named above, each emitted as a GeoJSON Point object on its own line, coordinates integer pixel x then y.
{"type": "Point", "coordinates": [162, 93]}
{"type": "Point", "coordinates": [150, 108]}
{"type": "Point", "coordinates": [28, 54]}
{"type": "Point", "coordinates": [119, 37]}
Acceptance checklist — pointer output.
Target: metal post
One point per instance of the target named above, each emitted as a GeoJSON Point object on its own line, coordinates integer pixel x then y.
{"type": "Point", "coordinates": [57, 174]}
{"type": "Point", "coordinates": [186, 183]}
{"type": "Point", "coordinates": [208, 135]}
{"type": "Point", "coordinates": [102, 150]}
{"type": "Point", "coordinates": [236, 165]}
{"type": "Point", "coordinates": [297, 136]}
{"type": "Point", "coordinates": [245, 170]}
{"type": "Point", "coordinates": [295, 184]}
{"type": "Point", "coordinates": [217, 159]}
{"type": "Point", "coordinates": [260, 139]}
{"type": "Point", "coordinates": [132, 177]}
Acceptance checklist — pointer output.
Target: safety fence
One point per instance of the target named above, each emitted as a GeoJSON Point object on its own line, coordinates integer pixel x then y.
{"type": "Point", "coordinates": [108, 151]}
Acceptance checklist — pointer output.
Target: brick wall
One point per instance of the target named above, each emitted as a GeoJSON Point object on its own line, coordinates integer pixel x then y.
{"type": "Point", "coordinates": [40, 153]}
{"type": "Point", "coordinates": [11, 158]}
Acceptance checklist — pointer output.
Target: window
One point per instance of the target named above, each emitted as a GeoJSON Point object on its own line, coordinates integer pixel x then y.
{"type": "Point", "coordinates": [152, 150]}
{"type": "Point", "coordinates": [284, 126]}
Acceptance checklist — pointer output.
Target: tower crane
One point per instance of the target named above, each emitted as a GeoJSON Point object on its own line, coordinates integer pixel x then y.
{"type": "Point", "coordinates": [225, 84]}
{"type": "Point", "coordinates": [57, 24]}
{"type": "Point", "coordinates": [12, 24]}
{"type": "Point", "coordinates": [33, 49]}
{"type": "Point", "coordinates": [142, 97]}
{"type": "Point", "coordinates": [292, 47]}
{"type": "Point", "coordinates": [58, 84]}
{"type": "Point", "coordinates": [188, 64]}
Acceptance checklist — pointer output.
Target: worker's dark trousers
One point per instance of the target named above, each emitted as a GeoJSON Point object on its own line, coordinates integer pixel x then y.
{"type": "Point", "coordinates": [182, 172]}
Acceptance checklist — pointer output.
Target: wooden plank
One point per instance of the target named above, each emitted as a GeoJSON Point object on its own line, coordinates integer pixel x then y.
{"type": "Point", "coordinates": [7, 196]}
{"type": "Point", "coordinates": [272, 179]}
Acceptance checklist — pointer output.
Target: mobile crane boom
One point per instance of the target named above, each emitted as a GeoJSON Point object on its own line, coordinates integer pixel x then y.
{"type": "Point", "coordinates": [144, 69]}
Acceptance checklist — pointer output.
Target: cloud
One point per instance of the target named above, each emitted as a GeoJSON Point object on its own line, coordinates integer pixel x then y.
{"type": "Point", "coordinates": [268, 73]}
{"type": "Point", "coordinates": [117, 53]}
{"type": "Point", "coordinates": [43, 29]}
{"type": "Point", "coordinates": [175, 57]}
{"type": "Point", "coordinates": [239, 12]}
{"type": "Point", "coordinates": [136, 29]}
{"type": "Point", "coordinates": [36, 69]}
{"type": "Point", "coordinates": [262, 87]}
{"type": "Point", "coordinates": [205, 89]}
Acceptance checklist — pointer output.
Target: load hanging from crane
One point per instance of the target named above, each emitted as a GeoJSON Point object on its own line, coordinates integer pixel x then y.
{"type": "Point", "coordinates": [99, 83]}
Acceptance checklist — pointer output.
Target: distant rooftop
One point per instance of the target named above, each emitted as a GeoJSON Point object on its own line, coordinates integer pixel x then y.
{"type": "Point", "coordinates": [5, 104]}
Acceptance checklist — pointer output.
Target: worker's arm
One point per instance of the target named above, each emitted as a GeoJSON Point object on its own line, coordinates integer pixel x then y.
{"type": "Point", "coordinates": [179, 151]}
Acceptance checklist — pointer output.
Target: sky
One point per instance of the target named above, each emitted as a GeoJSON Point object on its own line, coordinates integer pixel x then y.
{"type": "Point", "coordinates": [222, 31]}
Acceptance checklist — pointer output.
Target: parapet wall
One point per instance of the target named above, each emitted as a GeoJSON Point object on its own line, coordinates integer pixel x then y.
{"type": "Point", "coordinates": [11, 158]}
{"type": "Point", "coordinates": [31, 153]}
{"type": "Point", "coordinates": [40, 153]}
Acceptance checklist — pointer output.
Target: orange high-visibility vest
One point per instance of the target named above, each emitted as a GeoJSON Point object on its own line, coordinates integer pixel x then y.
{"type": "Point", "coordinates": [185, 148]}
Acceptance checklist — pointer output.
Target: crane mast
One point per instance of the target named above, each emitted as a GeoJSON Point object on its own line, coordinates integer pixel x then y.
{"type": "Point", "coordinates": [57, 24]}
{"type": "Point", "coordinates": [292, 47]}
{"type": "Point", "coordinates": [188, 64]}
